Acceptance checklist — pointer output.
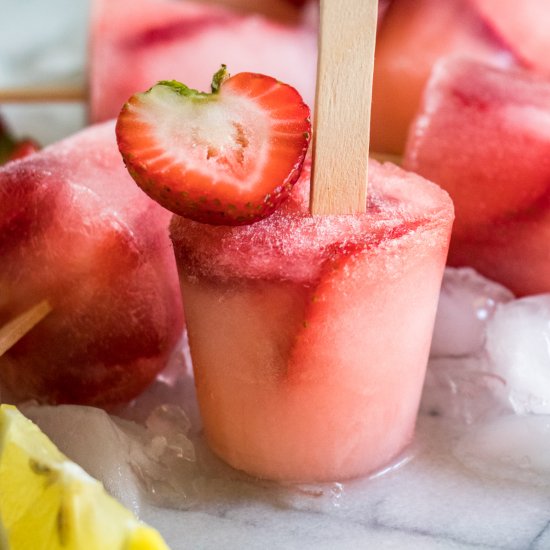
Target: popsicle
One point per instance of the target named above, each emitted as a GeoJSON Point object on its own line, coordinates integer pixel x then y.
{"type": "Point", "coordinates": [414, 35]}
{"type": "Point", "coordinates": [135, 43]}
{"type": "Point", "coordinates": [74, 232]}
{"type": "Point", "coordinates": [495, 166]}
{"type": "Point", "coordinates": [523, 27]}
{"type": "Point", "coordinates": [309, 334]}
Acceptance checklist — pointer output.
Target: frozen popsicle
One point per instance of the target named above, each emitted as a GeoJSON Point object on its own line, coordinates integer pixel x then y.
{"type": "Point", "coordinates": [135, 43]}
{"type": "Point", "coordinates": [495, 165]}
{"type": "Point", "coordinates": [310, 335]}
{"type": "Point", "coordinates": [414, 35]}
{"type": "Point", "coordinates": [522, 26]}
{"type": "Point", "coordinates": [74, 232]}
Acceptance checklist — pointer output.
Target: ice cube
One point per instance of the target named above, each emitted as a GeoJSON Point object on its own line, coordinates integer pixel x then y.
{"type": "Point", "coordinates": [164, 457]}
{"type": "Point", "coordinates": [93, 440]}
{"type": "Point", "coordinates": [137, 464]}
{"type": "Point", "coordinates": [466, 303]}
{"type": "Point", "coordinates": [518, 344]}
{"type": "Point", "coordinates": [173, 386]}
{"type": "Point", "coordinates": [463, 388]}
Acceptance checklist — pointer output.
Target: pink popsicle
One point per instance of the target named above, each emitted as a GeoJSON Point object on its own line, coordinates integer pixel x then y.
{"type": "Point", "coordinates": [135, 43]}
{"type": "Point", "coordinates": [495, 165]}
{"type": "Point", "coordinates": [310, 335]}
{"type": "Point", "coordinates": [414, 35]}
{"type": "Point", "coordinates": [76, 231]}
{"type": "Point", "coordinates": [523, 26]}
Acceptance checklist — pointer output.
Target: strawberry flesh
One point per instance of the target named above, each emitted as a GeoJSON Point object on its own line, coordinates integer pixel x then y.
{"type": "Point", "coordinates": [229, 157]}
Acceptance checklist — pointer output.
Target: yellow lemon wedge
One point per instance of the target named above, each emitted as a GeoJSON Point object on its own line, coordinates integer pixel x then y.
{"type": "Point", "coordinates": [48, 502]}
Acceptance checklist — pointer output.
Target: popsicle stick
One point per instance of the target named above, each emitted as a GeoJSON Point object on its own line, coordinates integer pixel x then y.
{"type": "Point", "coordinates": [342, 114]}
{"type": "Point", "coordinates": [42, 94]}
{"type": "Point", "coordinates": [13, 331]}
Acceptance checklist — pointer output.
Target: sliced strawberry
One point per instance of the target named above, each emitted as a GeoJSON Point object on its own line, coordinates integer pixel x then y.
{"type": "Point", "coordinates": [227, 157]}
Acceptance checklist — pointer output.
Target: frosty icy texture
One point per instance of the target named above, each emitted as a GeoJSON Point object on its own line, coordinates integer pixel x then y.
{"type": "Point", "coordinates": [76, 231]}
{"type": "Point", "coordinates": [495, 165]}
{"type": "Point", "coordinates": [136, 464]}
{"type": "Point", "coordinates": [309, 336]}
{"type": "Point", "coordinates": [461, 383]}
{"type": "Point", "coordinates": [517, 344]}
{"type": "Point", "coordinates": [135, 43]}
{"type": "Point", "coordinates": [490, 352]}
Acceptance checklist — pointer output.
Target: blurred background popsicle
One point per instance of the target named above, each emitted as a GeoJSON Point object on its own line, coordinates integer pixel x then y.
{"type": "Point", "coordinates": [75, 231]}
{"type": "Point", "coordinates": [135, 43]}
{"type": "Point", "coordinates": [495, 165]}
{"type": "Point", "coordinates": [414, 35]}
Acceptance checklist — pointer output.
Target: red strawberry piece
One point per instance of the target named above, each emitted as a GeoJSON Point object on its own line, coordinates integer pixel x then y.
{"type": "Point", "coordinates": [228, 157]}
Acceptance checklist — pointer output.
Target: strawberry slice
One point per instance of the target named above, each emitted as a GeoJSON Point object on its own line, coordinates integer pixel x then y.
{"type": "Point", "coordinates": [229, 157]}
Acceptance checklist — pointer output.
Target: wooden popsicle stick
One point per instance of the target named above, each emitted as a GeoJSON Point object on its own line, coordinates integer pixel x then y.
{"type": "Point", "coordinates": [13, 331]}
{"type": "Point", "coordinates": [341, 129]}
{"type": "Point", "coordinates": [43, 94]}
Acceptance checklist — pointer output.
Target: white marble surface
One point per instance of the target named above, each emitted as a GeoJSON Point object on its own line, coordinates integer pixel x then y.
{"type": "Point", "coordinates": [476, 477]}
{"type": "Point", "coordinates": [460, 485]}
